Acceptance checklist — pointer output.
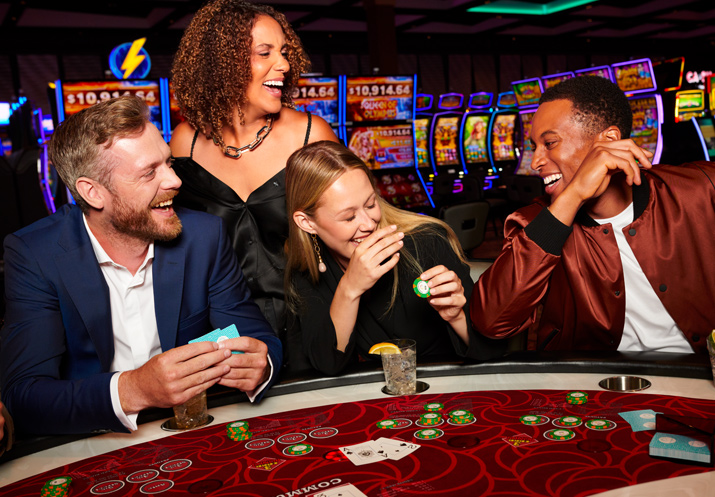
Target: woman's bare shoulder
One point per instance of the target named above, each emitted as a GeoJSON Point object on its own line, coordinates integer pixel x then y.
{"type": "Point", "coordinates": [181, 139]}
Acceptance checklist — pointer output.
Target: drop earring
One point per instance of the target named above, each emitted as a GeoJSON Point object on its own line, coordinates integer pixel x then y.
{"type": "Point", "coordinates": [316, 247]}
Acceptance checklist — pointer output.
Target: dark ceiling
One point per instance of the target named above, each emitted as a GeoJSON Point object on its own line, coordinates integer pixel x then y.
{"type": "Point", "coordinates": [667, 27]}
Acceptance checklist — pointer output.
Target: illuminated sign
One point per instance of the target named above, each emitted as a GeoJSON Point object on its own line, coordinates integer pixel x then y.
{"type": "Point", "coordinates": [130, 60]}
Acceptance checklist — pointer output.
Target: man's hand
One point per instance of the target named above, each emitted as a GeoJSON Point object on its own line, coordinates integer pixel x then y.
{"type": "Point", "coordinates": [173, 377]}
{"type": "Point", "coordinates": [248, 370]}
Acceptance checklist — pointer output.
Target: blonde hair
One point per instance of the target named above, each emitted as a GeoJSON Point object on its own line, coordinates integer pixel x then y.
{"type": "Point", "coordinates": [310, 171]}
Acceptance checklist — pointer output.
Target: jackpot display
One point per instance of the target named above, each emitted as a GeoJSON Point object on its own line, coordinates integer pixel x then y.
{"type": "Point", "coordinates": [527, 92]}
{"type": "Point", "coordinates": [555, 79]}
{"type": "Point", "coordinates": [382, 147]}
{"type": "Point", "coordinates": [319, 96]}
{"type": "Point", "coordinates": [73, 96]}
{"type": "Point", "coordinates": [379, 98]}
{"type": "Point", "coordinates": [635, 76]}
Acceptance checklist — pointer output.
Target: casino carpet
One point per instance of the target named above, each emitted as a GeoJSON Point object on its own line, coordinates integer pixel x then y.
{"type": "Point", "coordinates": [525, 443]}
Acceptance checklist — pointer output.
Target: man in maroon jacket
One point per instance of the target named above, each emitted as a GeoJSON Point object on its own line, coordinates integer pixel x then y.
{"type": "Point", "coordinates": [622, 254]}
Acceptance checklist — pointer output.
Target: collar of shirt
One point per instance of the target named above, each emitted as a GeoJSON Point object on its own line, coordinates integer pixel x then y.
{"type": "Point", "coordinates": [103, 257]}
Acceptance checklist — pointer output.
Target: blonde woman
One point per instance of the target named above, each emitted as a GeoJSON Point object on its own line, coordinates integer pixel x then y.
{"type": "Point", "coordinates": [351, 262]}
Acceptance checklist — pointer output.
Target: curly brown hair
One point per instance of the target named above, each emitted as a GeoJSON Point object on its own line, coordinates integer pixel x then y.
{"type": "Point", "coordinates": [215, 50]}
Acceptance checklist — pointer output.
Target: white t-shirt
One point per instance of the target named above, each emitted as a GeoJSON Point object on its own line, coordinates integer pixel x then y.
{"type": "Point", "coordinates": [647, 326]}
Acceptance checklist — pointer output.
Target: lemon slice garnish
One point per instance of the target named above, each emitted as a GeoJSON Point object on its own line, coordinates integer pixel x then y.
{"type": "Point", "coordinates": [384, 348]}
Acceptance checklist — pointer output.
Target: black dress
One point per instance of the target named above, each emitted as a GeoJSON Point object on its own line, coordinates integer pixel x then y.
{"type": "Point", "coordinates": [410, 317]}
{"type": "Point", "coordinates": [257, 228]}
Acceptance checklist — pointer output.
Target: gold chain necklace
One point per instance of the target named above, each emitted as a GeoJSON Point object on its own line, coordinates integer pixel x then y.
{"type": "Point", "coordinates": [235, 152]}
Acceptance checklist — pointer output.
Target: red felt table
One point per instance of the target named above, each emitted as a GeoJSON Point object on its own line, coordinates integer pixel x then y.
{"type": "Point", "coordinates": [207, 462]}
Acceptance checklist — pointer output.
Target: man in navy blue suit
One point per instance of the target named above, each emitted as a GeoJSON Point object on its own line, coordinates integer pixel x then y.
{"type": "Point", "coordinates": [103, 297]}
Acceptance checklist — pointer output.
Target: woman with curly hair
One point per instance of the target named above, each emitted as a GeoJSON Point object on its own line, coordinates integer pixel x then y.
{"type": "Point", "coordinates": [352, 262]}
{"type": "Point", "coordinates": [233, 75]}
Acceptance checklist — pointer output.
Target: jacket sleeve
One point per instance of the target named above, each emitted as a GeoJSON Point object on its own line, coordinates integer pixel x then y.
{"type": "Point", "coordinates": [506, 297]}
{"type": "Point", "coordinates": [32, 346]}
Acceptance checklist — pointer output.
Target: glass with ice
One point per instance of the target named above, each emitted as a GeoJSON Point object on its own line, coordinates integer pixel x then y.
{"type": "Point", "coordinates": [400, 367]}
{"type": "Point", "coordinates": [192, 413]}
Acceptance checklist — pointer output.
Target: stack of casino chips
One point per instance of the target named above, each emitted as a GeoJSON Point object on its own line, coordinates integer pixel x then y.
{"type": "Point", "coordinates": [577, 398]}
{"type": "Point", "coordinates": [56, 487]}
{"type": "Point", "coordinates": [430, 419]}
{"type": "Point", "coordinates": [461, 417]}
{"type": "Point", "coordinates": [434, 407]}
{"type": "Point", "coordinates": [238, 430]}
{"type": "Point", "coordinates": [299, 449]}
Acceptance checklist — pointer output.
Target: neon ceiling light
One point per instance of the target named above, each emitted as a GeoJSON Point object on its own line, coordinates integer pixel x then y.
{"type": "Point", "coordinates": [518, 7]}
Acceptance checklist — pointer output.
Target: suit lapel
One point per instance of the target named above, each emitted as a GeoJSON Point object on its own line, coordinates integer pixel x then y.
{"type": "Point", "coordinates": [168, 274]}
{"type": "Point", "coordinates": [85, 283]}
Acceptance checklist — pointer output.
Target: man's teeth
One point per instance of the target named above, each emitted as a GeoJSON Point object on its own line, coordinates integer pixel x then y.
{"type": "Point", "coordinates": [164, 204]}
{"type": "Point", "coordinates": [552, 178]}
{"type": "Point", "coordinates": [278, 84]}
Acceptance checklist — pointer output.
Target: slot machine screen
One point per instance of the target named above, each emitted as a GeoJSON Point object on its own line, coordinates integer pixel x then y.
{"type": "Point", "coordinates": [602, 71]}
{"type": "Point", "coordinates": [503, 137]}
{"type": "Point", "coordinates": [383, 147]}
{"type": "Point", "coordinates": [423, 102]}
{"type": "Point", "coordinates": [480, 100]}
{"type": "Point", "coordinates": [379, 98]}
{"type": "Point", "coordinates": [555, 79]}
{"type": "Point", "coordinates": [476, 131]}
{"type": "Point", "coordinates": [689, 104]}
{"type": "Point", "coordinates": [645, 131]}
{"type": "Point", "coordinates": [527, 92]}
{"type": "Point", "coordinates": [506, 100]}
{"type": "Point", "coordinates": [444, 141]}
{"type": "Point", "coordinates": [707, 130]}
{"type": "Point", "coordinates": [526, 151]}
{"type": "Point", "coordinates": [403, 189]}
{"type": "Point", "coordinates": [79, 95]}
{"type": "Point", "coordinates": [451, 101]}
{"type": "Point", "coordinates": [422, 140]}
{"type": "Point", "coordinates": [319, 96]}
{"type": "Point", "coordinates": [4, 113]}
{"type": "Point", "coordinates": [635, 76]}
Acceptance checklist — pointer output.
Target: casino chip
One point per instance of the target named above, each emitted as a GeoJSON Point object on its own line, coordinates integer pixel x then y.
{"type": "Point", "coordinates": [600, 424]}
{"type": "Point", "coordinates": [238, 431]}
{"type": "Point", "coordinates": [534, 419]}
{"type": "Point", "coordinates": [560, 434]}
{"type": "Point", "coordinates": [569, 421]}
{"type": "Point", "coordinates": [239, 437]}
{"type": "Point", "coordinates": [421, 288]}
{"type": "Point", "coordinates": [56, 487]}
{"type": "Point", "coordinates": [428, 433]}
{"type": "Point", "coordinates": [430, 419]}
{"type": "Point", "coordinates": [386, 423]}
{"type": "Point", "coordinates": [433, 407]}
{"type": "Point", "coordinates": [298, 449]}
{"type": "Point", "coordinates": [577, 398]}
{"type": "Point", "coordinates": [461, 417]}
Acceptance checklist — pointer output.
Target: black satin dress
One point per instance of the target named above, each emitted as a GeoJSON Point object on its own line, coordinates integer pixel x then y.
{"type": "Point", "coordinates": [257, 228]}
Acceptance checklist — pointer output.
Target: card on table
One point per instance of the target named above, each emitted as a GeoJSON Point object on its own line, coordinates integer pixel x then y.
{"type": "Point", "coordinates": [219, 335]}
{"type": "Point", "coordinates": [395, 449]}
{"type": "Point", "coordinates": [679, 447]}
{"type": "Point", "coordinates": [363, 453]}
{"type": "Point", "coordinates": [640, 420]}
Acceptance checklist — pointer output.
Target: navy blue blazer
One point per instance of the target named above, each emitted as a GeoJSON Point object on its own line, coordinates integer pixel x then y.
{"type": "Point", "coordinates": [57, 344]}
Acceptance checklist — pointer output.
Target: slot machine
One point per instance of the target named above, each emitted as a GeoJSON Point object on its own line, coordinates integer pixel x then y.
{"type": "Point", "coordinates": [602, 71]}
{"type": "Point", "coordinates": [505, 145]}
{"type": "Point", "coordinates": [474, 133]}
{"type": "Point", "coordinates": [444, 135]}
{"type": "Point", "coordinates": [320, 96]}
{"type": "Point", "coordinates": [378, 128]}
{"type": "Point", "coordinates": [636, 79]}
{"type": "Point", "coordinates": [423, 124]}
{"type": "Point", "coordinates": [554, 79]}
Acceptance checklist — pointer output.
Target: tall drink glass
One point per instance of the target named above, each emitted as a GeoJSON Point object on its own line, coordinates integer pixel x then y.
{"type": "Point", "coordinates": [401, 369]}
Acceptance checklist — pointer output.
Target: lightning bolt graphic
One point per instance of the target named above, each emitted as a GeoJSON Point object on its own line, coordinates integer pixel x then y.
{"type": "Point", "coordinates": [132, 60]}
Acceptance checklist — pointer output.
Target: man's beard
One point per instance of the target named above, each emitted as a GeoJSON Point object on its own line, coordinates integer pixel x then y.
{"type": "Point", "coordinates": [140, 224]}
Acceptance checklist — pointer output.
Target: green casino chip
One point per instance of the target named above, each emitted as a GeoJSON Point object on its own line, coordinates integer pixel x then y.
{"type": "Point", "coordinates": [434, 407]}
{"type": "Point", "coordinates": [533, 419]}
{"type": "Point", "coordinates": [577, 398]}
{"type": "Point", "coordinates": [600, 424]}
{"type": "Point", "coordinates": [56, 487]}
{"type": "Point", "coordinates": [238, 426]}
{"type": "Point", "coordinates": [428, 433]}
{"type": "Point", "coordinates": [431, 418]}
{"type": "Point", "coordinates": [386, 423]}
{"type": "Point", "coordinates": [568, 421]}
{"type": "Point", "coordinates": [297, 450]}
{"type": "Point", "coordinates": [560, 434]}
{"type": "Point", "coordinates": [421, 288]}
{"type": "Point", "coordinates": [238, 437]}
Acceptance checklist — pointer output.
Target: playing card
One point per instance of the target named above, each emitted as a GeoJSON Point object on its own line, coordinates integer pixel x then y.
{"type": "Point", "coordinates": [640, 420]}
{"type": "Point", "coordinates": [347, 490]}
{"type": "Point", "coordinates": [395, 449]}
{"type": "Point", "coordinates": [363, 453]}
{"type": "Point", "coordinates": [219, 335]}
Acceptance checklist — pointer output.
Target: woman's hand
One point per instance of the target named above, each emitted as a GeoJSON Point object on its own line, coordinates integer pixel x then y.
{"type": "Point", "coordinates": [446, 292]}
{"type": "Point", "coordinates": [373, 257]}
